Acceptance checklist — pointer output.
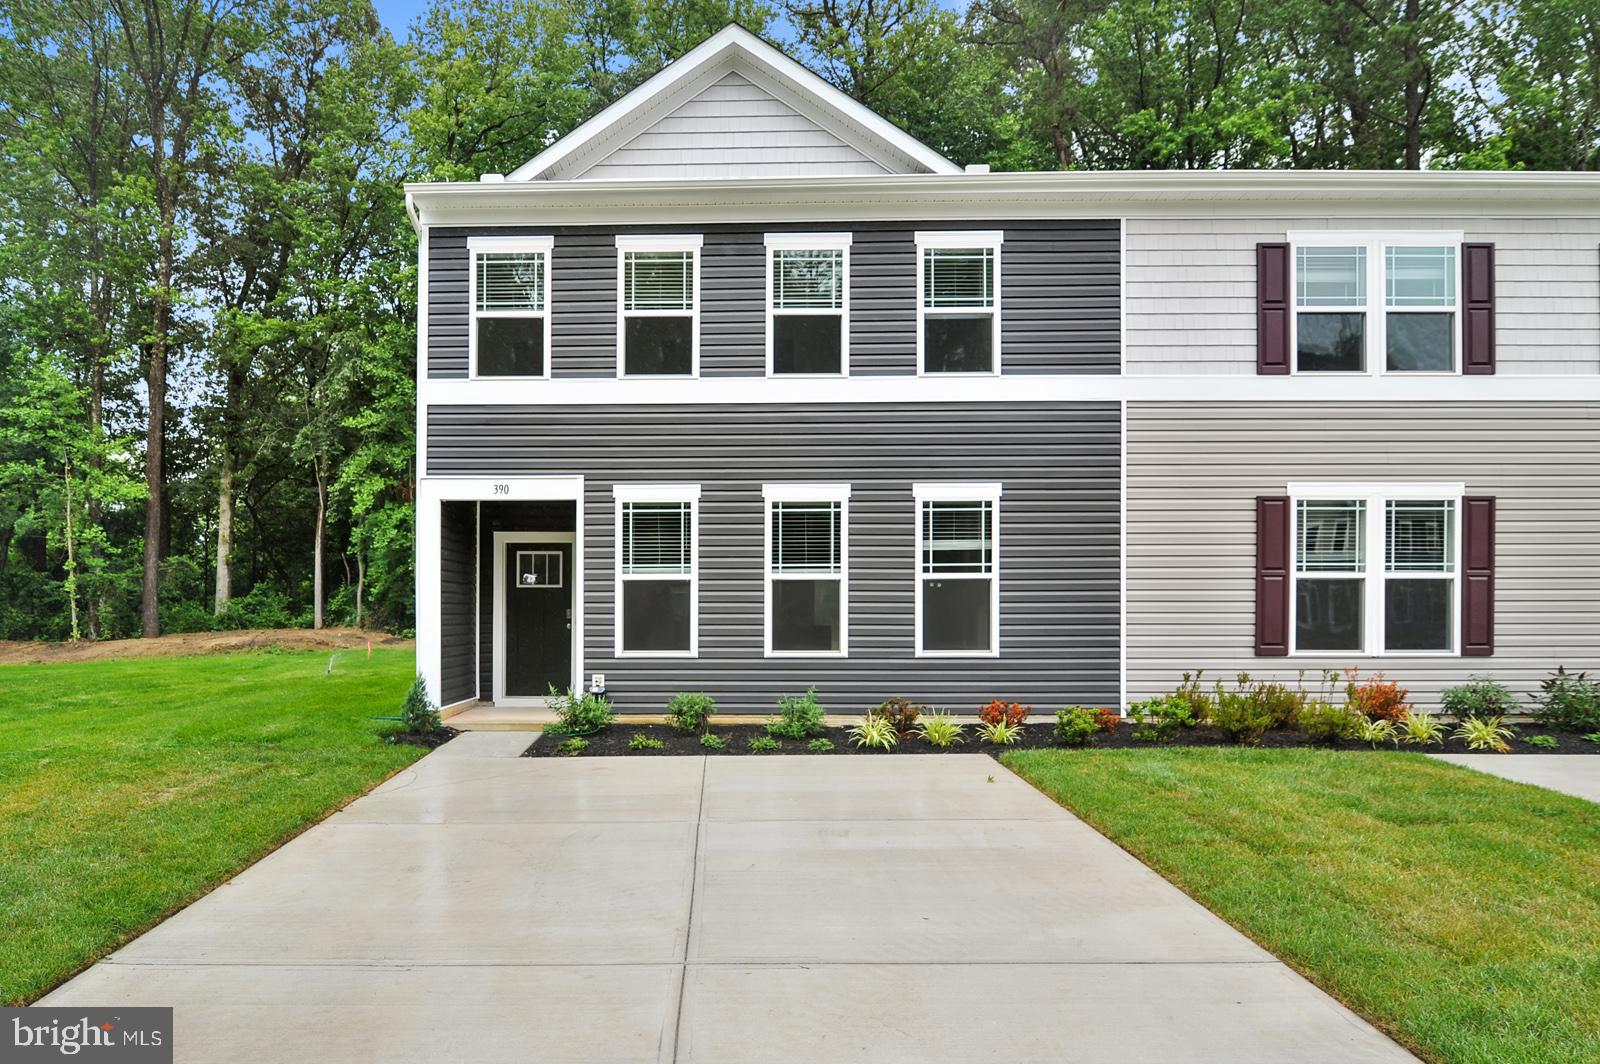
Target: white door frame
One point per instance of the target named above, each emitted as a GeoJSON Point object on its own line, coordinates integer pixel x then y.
{"type": "Point", "coordinates": [499, 614]}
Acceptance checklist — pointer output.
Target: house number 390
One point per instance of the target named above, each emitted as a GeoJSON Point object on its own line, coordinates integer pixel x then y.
{"type": "Point", "coordinates": [502, 489]}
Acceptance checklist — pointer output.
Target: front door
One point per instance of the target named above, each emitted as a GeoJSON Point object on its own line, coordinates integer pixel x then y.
{"type": "Point", "coordinates": [538, 618]}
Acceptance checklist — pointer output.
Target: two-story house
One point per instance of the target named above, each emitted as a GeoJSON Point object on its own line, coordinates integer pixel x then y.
{"type": "Point", "coordinates": [738, 388]}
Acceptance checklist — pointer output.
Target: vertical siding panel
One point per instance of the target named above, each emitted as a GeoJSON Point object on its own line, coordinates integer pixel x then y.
{"type": "Point", "coordinates": [457, 603]}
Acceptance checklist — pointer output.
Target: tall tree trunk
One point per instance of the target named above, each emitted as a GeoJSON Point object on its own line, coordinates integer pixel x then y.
{"type": "Point", "coordinates": [154, 456]}
{"type": "Point", "coordinates": [72, 558]}
{"type": "Point", "coordinates": [1414, 76]}
{"type": "Point", "coordinates": [224, 529]}
{"type": "Point", "coordinates": [361, 583]}
{"type": "Point", "coordinates": [322, 516]}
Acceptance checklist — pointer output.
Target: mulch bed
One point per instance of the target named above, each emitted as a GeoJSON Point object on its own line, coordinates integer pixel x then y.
{"type": "Point", "coordinates": [427, 740]}
{"type": "Point", "coordinates": [613, 742]}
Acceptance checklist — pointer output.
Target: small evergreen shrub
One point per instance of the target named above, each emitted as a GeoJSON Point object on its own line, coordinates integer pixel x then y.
{"type": "Point", "coordinates": [1568, 701]}
{"type": "Point", "coordinates": [1326, 721]}
{"type": "Point", "coordinates": [1157, 720]}
{"type": "Point", "coordinates": [1479, 697]}
{"type": "Point", "coordinates": [1075, 726]}
{"type": "Point", "coordinates": [418, 714]}
{"type": "Point", "coordinates": [1244, 713]}
{"type": "Point", "coordinates": [799, 716]}
{"type": "Point", "coordinates": [690, 713]}
{"type": "Point", "coordinates": [583, 714]}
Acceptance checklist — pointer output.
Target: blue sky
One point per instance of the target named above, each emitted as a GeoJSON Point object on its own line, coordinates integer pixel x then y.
{"type": "Point", "coordinates": [397, 14]}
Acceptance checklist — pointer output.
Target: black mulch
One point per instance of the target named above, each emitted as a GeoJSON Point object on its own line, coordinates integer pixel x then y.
{"type": "Point", "coordinates": [427, 740]}
{"type": "Point", "coordinates": [1038, 734]}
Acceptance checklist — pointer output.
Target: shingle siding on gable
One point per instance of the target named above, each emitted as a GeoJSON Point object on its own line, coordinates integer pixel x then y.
{"type": "Point", "coordinates": [1060, 297]}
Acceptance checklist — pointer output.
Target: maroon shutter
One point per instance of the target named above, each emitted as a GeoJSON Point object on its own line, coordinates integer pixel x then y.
{"type": "Point", "coordinates": [1477, 576]}
{"type": "Point", "coordinates": [1477, 308]}
{"type": "Point", "coordinates": [1272, 576]}
{"type": "Point", "coordinates": [1272, 308]}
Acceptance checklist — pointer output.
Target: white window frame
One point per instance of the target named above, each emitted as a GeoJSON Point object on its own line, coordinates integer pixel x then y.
{"type": "Point", "coordinates": [647, 493]}
{"type": "Point", "coordinates": [957, 240]}
{"type": "Point", "coordinates": [514, 245]}
{"type": "Point", "coordinates": [839, 242]}
{"type": "Point", "coordinates": [1376, 308]}
{"type": "Point", "coordinates": [1377, 496]}
{"type": "Point", "coordinates": [651, 242]}
{"type": "Point", "coordinates": [833, 493]}
{"type": "Point", "coordinates": [986, 491]}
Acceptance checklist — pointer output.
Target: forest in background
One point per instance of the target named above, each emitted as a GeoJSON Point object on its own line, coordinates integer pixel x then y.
{"type": "Point", "coordinates": [208, 322]}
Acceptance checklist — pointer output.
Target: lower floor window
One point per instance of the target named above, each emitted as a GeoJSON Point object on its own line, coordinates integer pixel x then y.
{"type": "Point", "coordinates": [656, 573]}
{"type": "Point", "coordinates": [806, 568]}
{"type": "Point", "coordinates": [957, 585]}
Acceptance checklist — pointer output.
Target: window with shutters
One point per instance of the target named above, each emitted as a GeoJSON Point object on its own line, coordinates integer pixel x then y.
{"type": "Point", "coordinates": [958, 573]}
{"type": "Point", "coordinates": [658, 582]}
{"type": "Point", "coordinates": [958, 302]}
{"type": "Point", "coordinates": [659, 302]}
{"type": "Point", "coordinates": [808, 316]}
{"type": "Point", "coordinates": [509, 326]}
{"type": "Point", "coordinates": [1375, 568]}
{"type": "Point", "coordinates": [1376, 303]}
{"type": "Point", "coordinates": [807, 568]}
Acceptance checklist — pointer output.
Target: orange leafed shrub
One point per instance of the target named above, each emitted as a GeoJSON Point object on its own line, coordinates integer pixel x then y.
{"type": "Point", "coordinates": [1107, 719]}
{"type": "Point", "coordinates": [1013, 713]}
{"type": "Point", "coordinates": [1376, 698]}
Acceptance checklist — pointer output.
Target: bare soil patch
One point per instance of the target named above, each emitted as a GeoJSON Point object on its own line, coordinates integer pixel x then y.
{"type": "Point", "coordinates": [191, 643]}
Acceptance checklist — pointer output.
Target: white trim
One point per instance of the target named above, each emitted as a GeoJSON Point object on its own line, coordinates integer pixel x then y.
{"type": "Point", "coordinates": [478, 245]}
{"type": "Point", "coordinates": [772, 494]}
{"type": "Point", "coordinates": [959, 240]}
{"type": "Point", "coordinates": [426, 577]}
{"type": "Point", "coordinates": [498, 659]}
{"type": "Point", "coordinates": [477, 604]}
{"type": "Point", "coordinates": [805, 492]}
{"type": "Point", "coordinates": [621, 495]}
{"type": "Point", "coordinates": [839, 242]}
{"type": "Point", "coordinates": [981, 491]}
{"type": "Point", "coordinates": [1122, 559]}
{"type": "Point", "coordinates": [647, 242]}
{"type": "Point", "coordinates": [1360, 489]}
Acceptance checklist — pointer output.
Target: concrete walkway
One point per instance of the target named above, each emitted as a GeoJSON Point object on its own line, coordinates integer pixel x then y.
{"type": "Point", "coordinates": [1574, 774]}
{"type": "Point", "coordinates": [480, 907]}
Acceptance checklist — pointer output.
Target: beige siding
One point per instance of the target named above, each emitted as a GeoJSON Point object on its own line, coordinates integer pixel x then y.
{"type": "Point", "coordinates": [732, 128]}
{"type": "Point", "coordinates": [1191, 289]}
{"type": "Point", "coordinates": [1194, 472]}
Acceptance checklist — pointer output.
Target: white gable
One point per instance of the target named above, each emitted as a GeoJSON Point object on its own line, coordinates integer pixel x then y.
{"type": "Point", "coordinates": [733, 107]}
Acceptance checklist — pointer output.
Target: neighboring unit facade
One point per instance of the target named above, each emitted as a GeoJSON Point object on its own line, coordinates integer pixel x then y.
{"type": "Point", "coordinates": [739, 389]}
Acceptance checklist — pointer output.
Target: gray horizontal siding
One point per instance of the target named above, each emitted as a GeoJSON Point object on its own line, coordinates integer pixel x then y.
{"type": "Point", "coordinates": [1194, 472]}
{"type": "Point", "coordinates": [1060, 298]}
{"type": "Point", "coordinates": [457, 602]}
{"type": "Point", "coordinates": [1058, 538]}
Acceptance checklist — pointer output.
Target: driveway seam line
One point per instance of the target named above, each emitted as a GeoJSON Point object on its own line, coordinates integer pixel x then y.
{"type": "Point", "coordinates": [688, 926]}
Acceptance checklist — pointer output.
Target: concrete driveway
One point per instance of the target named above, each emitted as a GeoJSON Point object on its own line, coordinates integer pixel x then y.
{"type": "Point", "coordinates": [481, 907]}
{"type": "Point", "coordinates": [1574, 774]}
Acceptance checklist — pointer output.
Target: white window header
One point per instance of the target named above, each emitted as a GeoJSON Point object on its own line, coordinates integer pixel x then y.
{"type": "Point", "coordinates": [659, 242]}
{"type": "Point", "coordinates": [476, 244]}
{"type": "Point", "coordinates": [805, 492]}
{"type": "Point", "coordinates": [937, 492]}
{"type": "Point", "coordinates": [1342, 237]}
{"type": "Point", "coordinates": [960, 238]}
{"type": "Point", "coordinates": [1366, 489]}
{"type": "Point", "coordinates": [655, 492]}
{"type": "Point", "coordinates": [808, 241]}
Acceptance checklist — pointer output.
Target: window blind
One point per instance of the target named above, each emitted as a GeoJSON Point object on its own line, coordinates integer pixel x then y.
{"type": "Point", "coordinates": [511, 280]}
{"type": "Point", "coordinates": [1420, 277]}
{"type": "Point", "coordinates": [1331, 537]}
{"type": "Point", "coordinates": [806, 537]}
{"type": "Point", "coordinates": [957, 537]}
{"type": "Point", "coordinates": [658, 280]}
{"type": "Point", "coordinates": [807, 279]}
{"type": "Point", "coordinates": [1331, 276]}
{"type": "Point", "coordinates": [957, 277]}
{"type": "Point", "coordinates": [1420, 537]}
{"type": "Point", "coordinates": [656, 538]}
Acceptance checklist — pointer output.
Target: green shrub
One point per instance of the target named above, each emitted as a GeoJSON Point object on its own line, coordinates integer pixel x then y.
{"type": "Point", "coordinates": [799, 716]}
{"type": "Point", "coordinates": [1075, 726]}
{"type": "Point", "coordinates": [1568, 701]}
{"type": "Point", "coordinates": [1000, 732]}
{"type": "Point", "coordinates": [1486, 734]}
{"type": "Point", "coordinates": [940, 730]}
{"type": "Point", "coordinates": [1378, 730]}
{"type": "Point", "coordinates": [1479, 697]}
{"type": "Point", "coordinates": [572, 747]}
{"type": "Point", "coordinates": [690, 712]}
{"type": "Point", "coordinates": [580, 714]}
{"type": "Point", "coordinates": [820, 746]}
{"type": "Point", "coordinates": [874, 733]}
{"type": "Point", "coordinates": [418, 714]}
{"type": "Point", "coordinates": [1422, 729]}
{"type": "Point", "coordinates": [1592, 737]}
{"type": "Point", "coordinates": [1244, 713]}
{"type": "Point", "coordinates": [1157, 720]}
{"type": "Point", "coordinates": [712, 741]}
{"type": "Point", "coordinates": [901, 713]}
{"type": "Point", "coordinates": [764, 744]}
{"type": "Point", "coordinates": [640, 741]}
{"type": "Point", "coordinates": [1196, 696]}
{"type": "Point", "coordinates": [1543, 742]}
{"type": "Point", "coordinates": [1324, 721]}
{"type": "Point", "coordinates": [1279, 701]}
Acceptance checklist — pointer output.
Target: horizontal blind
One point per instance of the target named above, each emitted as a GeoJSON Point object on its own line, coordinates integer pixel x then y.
{"type": "Point", "coordinates": [1421, 537]}
{"type": "Point", "coordinates": [511, 280]}
{"type": "Point", "coordinates": [1331, 277]}
{"type": "Point", "coordinates": [807, 279]}
{"type": "Point", "coordinates": [806, 537]}
{"type": "Point", "coordinates": [1420, 277]}
{"type": "Point", "coordinates": [658, 280]}
{"type": "Point", "coordinates": [656, 538]}
{"type": "Point", "coordinates": [957, 537]}
{"type": "Point", "coordinates": [1332, 537]}
{"type": "Point", "coordinates": [957, 277]}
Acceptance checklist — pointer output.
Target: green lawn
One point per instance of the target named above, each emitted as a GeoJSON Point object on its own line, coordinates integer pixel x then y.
{"type": "Point", "coordinates": [128, 789]}
{"type": "Point", "coordinates": [1458, 911]}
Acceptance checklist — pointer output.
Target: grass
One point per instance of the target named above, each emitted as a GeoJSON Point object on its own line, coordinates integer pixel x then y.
{"type": "Point", "coordinates": [1457, 911]}
{"type": "Point", "coordinates": [128, 789]}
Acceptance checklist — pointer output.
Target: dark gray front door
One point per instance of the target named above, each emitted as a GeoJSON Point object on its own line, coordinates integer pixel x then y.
{"type": "Point", "coordinates": [538, 618]}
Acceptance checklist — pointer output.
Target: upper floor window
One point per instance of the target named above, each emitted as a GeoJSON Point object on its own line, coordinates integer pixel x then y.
{"type": "Point", "coordinates": [658, 579]}
{"type": "Point", "coordinates": [808, 279]}
{"type": "Point", "coordinates": [509, 334]}
{"type": "Point", "coordinates": [1386, 303]}
{"type": "Point", "coordinates": [660, 307]}
{"type": "Point", "coordinates": [958, 587]}
{"type": "Point", "coordinates": [806, 566]}
{"type": "Point", "coordinates": [958, 315]}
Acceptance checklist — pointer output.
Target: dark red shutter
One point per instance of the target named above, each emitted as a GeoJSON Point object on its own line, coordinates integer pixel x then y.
{"type": "Point", "coordinates": [1477, 308]}
{"type": "Point", "coordinates": [1272, 576]}
{"type": "Point", "coordinates": [1272, 308]}
{"type": "Point", "coordinates": [1477, 576]}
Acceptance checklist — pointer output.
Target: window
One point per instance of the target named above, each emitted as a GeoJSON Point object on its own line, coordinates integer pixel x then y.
{"type": "Point", "coordinates": [1380, 303]}
{"type": "Point", "coordinates": [1375, 568]}
{"type": "Point", "coordinates": [657, 570]}
{"type": "Point", "coordinates": [807, 551]}
{"type": "Point", "coordinates": [958, 590]}
{"type": "Point", "coordinates": [807, 303]}
{"type": "Point", "coordinates": [510, 297]}
{"type": "Point", "coordinates": [659, 278]}
{"type": "Point", "coordinates": [958, 315]}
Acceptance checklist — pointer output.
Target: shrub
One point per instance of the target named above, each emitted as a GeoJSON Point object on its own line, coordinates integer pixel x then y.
{"type": "Point", "coordinates": [712, 741]}
{"type": "Point", "coordinates": [1199, 699]}
{"type": "Point", "coordinates": [580, 715]}
{"type": "Point", "coordinates": [1012, 713]}
{"type": "Point", "coordinates": [874, 733]}
{"type": "Point", "coordinates": [941, 730]}
{"type": "Point", "coordinates": [1592, 737]}
{"type": "Point", "coordinates": [1324, 721]}
{"type": "Point", "coordinates": [1107, 720]}
{"type": "Point", "coordinates": [1279, 701]}
{"type": "Point", "coordinates": [1075, 726]}
{"type": "Point", "coordinates": [820, 746]}
{"type": "Point", "coordinates": [1479, 697]}
{"type": "Point", "coordinates": [763, 744]}
{"type": "Point", "coordinates": [1243, 714]}
{"type": "Point", "coordinates": [1486, 734]}
{"type": "Point", "coordinates": [1569, 701]}
{"type": "Point", "coordinates": [1376, 698]}
{"type": "Point", "coordinates": [418, 714]}
{"type": "Point", "coordinates": [1000, 732]}
{"type": "Point", "coordinates": [572, 747]}
{"type": "Point", "coordinates": [1422, 729]}
{"type": "Point", "coordinates": [799, 716]}
{"type": "Point", "coordinates": [1543, 742]}
{"type": "Point", "coordinates": [640, 741]}
{"type": "Point", "coordinates": [901, 713]}
{"type": "Point", "coordinates": [1157, 720]}
{"type": "Point", "coordinates": [1378, 730]}
{"type": "Point", "coordinates": [690, 712]}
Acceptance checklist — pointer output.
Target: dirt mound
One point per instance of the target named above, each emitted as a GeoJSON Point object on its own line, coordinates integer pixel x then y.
{"type": "Point", "coordinates": [168, 646]}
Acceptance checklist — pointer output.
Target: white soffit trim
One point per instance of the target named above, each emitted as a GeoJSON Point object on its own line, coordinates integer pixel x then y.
{"type": "Point", "coordinates": [728, 47]}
